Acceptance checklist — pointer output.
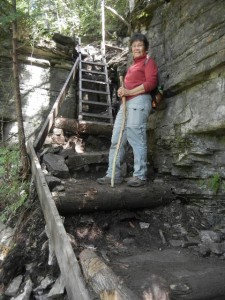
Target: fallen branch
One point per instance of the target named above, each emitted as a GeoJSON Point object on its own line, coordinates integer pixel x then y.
{"type": "Point", "coordinates": [74, 126]}
{"type": "Point", "coordinates": [102, 279]}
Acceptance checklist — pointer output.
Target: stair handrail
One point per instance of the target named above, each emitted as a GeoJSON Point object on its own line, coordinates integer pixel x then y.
{"type": "Point", "coordinates": [80, 84]}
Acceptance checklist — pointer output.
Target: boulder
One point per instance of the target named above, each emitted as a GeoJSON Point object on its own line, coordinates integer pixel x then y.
{"type": "Point", "coordinates": [56, 165]}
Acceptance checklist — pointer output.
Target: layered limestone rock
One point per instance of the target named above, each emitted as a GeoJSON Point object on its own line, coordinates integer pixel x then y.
{"type": "Point", "coordinates": [43, 72]}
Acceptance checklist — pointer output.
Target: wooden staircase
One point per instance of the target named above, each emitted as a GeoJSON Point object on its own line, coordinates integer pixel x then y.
{"type": "Point", "coordinates": [94, 94]}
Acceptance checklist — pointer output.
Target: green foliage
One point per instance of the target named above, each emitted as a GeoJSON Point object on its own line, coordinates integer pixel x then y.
{"type": "Point", "coordinates": [38, 19]}
{"type": "Point", "coordinates": [7, 16]}
{"type": "Point", "coordinates": [215, 183]}
{"type": "Point", "coordinates": [13, 192]}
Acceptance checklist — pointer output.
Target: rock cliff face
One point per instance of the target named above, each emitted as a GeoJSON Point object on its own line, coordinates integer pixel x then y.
{"type": "Point", "coordinates": [187, 39]}
{"type": "Point", "coordinates": [43, 72]}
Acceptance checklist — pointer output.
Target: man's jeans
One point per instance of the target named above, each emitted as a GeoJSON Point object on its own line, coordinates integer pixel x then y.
{"type": "Point", "coordinates": [137, 112]}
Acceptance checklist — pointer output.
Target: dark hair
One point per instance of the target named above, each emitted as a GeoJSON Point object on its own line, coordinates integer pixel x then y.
{"type": "Point", "coordinates": [139, 37]}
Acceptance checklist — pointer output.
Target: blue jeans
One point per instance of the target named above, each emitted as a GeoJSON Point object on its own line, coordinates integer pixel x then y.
{"type": "Point", "coordinates": [137, 112]}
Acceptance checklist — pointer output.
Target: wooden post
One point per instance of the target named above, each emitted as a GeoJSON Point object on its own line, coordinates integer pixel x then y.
{"type": "Point", "coordinates": [120, 136]}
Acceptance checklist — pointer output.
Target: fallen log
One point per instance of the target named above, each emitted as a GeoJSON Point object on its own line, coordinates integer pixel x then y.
{"type": "Point", "coordinates": [102, 279]}
{"type": "Point", "coordinates": [75, 126]}
{"type": "Point", "coordinates": [88, 195]}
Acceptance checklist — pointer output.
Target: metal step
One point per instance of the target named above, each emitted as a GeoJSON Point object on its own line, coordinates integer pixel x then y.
{"type": "Point", "coordinates": [94, 103]}
{"type": "Point", "coordinates": [93, 72]}
{"type": "Point", "coordinates": [94, 122]}
{"type": "Point", "coordinates": [92, 63]}
{"type": "Point", "coordinates": [91, 115]}
{"type": "Point", "coordinates": [96, 116]}
{"type": "Point", "coordinates": [94, 91]}
{"type": "Point", "coordinates": [94, 81]}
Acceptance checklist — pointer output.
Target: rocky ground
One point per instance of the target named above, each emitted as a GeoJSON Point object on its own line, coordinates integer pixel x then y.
{"type": "Point", "coordinates": [181, 243]}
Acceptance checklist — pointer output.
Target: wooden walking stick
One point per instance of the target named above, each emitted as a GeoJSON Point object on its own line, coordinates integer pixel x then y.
{"type": "Point", "coordinates": [120, 135]}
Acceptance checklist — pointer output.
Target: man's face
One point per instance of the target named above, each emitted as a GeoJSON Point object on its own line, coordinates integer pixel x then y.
{"type": "Point", "coordinates": [138, 49]}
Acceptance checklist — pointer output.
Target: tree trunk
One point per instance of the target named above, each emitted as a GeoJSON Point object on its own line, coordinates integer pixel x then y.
{"type": "Point", "coordinates": [22, 144]}
{"type": "Point", "coordinates": [131, 5]}
{"type": "Point", "coordinates": [102, 279]}
{"type": "Point", "coordinates": [89, 196]}
{"type": "Point", "coordinates": [73, 126]}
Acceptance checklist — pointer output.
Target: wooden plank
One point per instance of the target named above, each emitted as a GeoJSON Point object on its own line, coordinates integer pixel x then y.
{"type": "Point", "coordinates": [68, 264]}
{"type": "Point", "coordinates": [55, 110]}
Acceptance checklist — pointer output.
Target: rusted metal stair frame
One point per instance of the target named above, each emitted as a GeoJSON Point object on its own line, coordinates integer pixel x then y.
{"type": "Point", "coordinates": [106, 104]}
{"type": "Point", "coordinates": [67, 261]}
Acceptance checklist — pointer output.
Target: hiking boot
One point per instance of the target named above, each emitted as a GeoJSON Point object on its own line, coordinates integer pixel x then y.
{"type": "Point", "coordinates": [136, 182]}
{"type": "Point", "coordinates": [107, 180]}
